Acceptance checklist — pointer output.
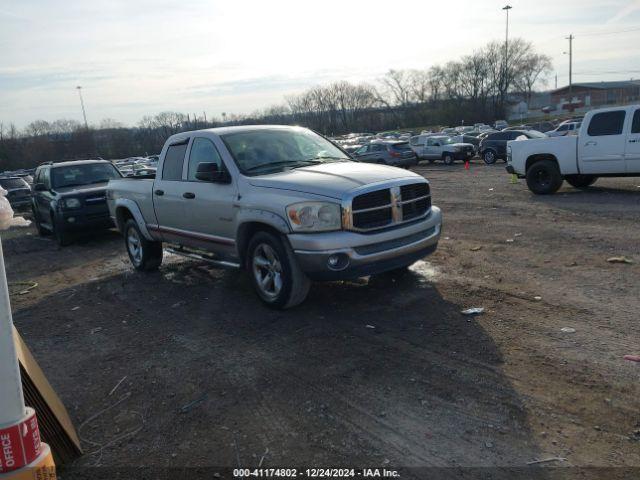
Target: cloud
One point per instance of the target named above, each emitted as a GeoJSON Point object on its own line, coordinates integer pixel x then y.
{"type": "Point", "coordinates": [629, 9]}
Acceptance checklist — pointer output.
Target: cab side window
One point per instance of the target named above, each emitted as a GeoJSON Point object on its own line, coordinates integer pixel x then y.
{"type": "Point", "coordinates": [202, 151]}
{"type": "Point", "coordinates": [173, 161]}
{"type": "Point", "coordinates": [606, 123]}
{"type": "Point", "coordinates": [635, 126]}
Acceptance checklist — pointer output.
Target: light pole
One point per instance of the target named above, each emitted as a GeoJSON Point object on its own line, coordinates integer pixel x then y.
{"type": "Point", "coordinates": [506, 8]}
{"type": "Point", "coordinates": [84, 114]}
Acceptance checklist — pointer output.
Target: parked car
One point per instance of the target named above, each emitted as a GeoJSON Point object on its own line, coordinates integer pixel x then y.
{"type": "Point", "coordinates": [387, 152]}
{"type": "Point", "coordinates": [564, 129]}
{"type": "Point", "coordinates": [18, 192]}
{"type": "Point", "coordinates": [607, 144]}
{"type": "Point", "coordinates": [500, 124]}
{"type": "Point", "coordinates": [69, 197]}
{"type": "Point", "coordinates": [493, 147]}
{"type": "Point", "coordinates": [542, 126]}
{"type": "Point", "coordinates": [441, 148]}
{"type": "Point", "coordinates": [282, 202]}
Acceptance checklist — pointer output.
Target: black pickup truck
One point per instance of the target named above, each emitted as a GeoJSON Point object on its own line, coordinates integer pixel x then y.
{"type": "Point", "coordinates": [69, 197]}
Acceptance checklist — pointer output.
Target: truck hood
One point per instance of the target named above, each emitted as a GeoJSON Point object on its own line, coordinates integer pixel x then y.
{"type": "Point", "coordinates": [331, 179]}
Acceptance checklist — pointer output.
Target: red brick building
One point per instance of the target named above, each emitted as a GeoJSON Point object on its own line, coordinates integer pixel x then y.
{"type": "Point", "coordinates": [595, 94]}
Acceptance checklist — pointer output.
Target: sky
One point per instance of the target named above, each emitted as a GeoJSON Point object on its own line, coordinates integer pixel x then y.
{"type": "Point", "coordinates": [139, 57]}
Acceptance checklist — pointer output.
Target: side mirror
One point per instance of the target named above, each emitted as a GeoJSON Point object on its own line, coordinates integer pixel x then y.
{"type": "Point", "coordinates": [39, 187]}
{"type": "Point", "coordinates": [209, 172]}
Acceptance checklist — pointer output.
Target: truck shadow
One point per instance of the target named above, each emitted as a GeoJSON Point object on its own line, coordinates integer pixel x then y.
{"type": "Point", "coordinates": [376, 373]}
{"type": "Point", "coordinates": [601, 196]}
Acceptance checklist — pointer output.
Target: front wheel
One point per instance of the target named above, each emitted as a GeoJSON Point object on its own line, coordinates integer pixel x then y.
{"type": "Point", "coordinates": [145, 255]}
{"type": "Point", "coordinates": [36, 220]}
{"type": "Point", "coordinates": [62, 237]}
{"type": "Point", "coordinates": [448, 159]}
{"type": "Point", "coordinates": [581, 181]}
{"type": "Point", "coordinates": [275, 273]}
{"type": "Point", "coordinates": [544, 178]}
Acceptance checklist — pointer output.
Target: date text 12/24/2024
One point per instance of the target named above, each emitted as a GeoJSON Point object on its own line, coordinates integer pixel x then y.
{"type": "Point", "coordinates": [315, 473]}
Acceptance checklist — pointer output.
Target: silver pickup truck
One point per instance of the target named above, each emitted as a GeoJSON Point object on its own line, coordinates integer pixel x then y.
{"type": "Point", "coordinates": [282, 202]}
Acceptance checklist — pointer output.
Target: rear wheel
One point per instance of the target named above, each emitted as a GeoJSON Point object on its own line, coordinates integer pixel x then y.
{"type": "Point", "coordinates": [543, 177]}
{"type": "Point", "coordinates": [145, 255]}
{"type": "Point", "coordinates": [581, 181]}
{"type": "Point", "coordinates": [275, 273]}
{"type": "Point", "coordinates": [448, 159]}
{"type": "Point", "coordinates": [489, 157]}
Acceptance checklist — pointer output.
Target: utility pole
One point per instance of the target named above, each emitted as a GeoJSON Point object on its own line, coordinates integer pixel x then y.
{"type": "Point", "coordinates": [84, 114]}
{"type": "Point", "coordinates": [556, 87]}
{"type": "Point", "coordinates": [570, 38]}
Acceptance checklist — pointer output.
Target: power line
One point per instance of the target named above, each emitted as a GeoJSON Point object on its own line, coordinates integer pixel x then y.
{"type": "Point", "coordinates": [613, 32]}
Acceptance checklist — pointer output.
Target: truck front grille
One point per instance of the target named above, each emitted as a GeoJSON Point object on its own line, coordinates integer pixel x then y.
{"type": "Point", "coordinates": [390, 206]}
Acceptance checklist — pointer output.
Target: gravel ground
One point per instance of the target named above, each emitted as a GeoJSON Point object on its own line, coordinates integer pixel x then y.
{"type": "Point", "coordinates": [384, 371]}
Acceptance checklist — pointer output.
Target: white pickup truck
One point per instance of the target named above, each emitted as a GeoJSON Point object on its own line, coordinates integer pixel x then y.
{"type": "Point", "coordinates": [607, 145]}
{"type": "Point", "coordinates": [281, 202]}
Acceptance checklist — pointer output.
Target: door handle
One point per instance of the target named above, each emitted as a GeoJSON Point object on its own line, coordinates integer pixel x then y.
{"type": "Point", "coordinates": [590, 143]}
{"type": "Point", "coordinates": [159, 192]}
{"type": "Point", "coordinates": [189, 195]}
{"type": "Point", "coordinates": [633, 140]}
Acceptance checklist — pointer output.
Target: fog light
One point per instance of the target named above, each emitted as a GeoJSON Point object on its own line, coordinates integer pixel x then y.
{"type": "Point", "coordinates": [338, 261]}
{"type": "Point", "coordinates": [71, 219]}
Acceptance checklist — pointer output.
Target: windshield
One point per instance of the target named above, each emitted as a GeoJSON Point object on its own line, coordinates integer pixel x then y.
{"type": "Point", "coordinates": [82, 174]}
{"type": "Point", "coordinates": [13, 183]}
{"type": "Point", "coordinates": [260, 152]}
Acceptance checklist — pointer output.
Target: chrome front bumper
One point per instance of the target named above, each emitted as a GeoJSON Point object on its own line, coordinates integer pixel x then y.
{"type": "Point", "coordinates": [366, 254]}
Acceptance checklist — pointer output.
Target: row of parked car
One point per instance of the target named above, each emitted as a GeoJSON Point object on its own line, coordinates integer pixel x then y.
{"type": "Point", "coordinates": [449, 144]}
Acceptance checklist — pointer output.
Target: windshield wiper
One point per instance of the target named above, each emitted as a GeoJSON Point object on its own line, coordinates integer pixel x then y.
{"type": "Point", "coordinates": [300, 163]}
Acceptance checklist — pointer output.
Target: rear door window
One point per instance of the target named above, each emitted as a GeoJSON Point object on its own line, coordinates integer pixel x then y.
{"type": "Point", "coordinates": [606, 123]}
{"type": "Point", "coordinates": [173, 162]}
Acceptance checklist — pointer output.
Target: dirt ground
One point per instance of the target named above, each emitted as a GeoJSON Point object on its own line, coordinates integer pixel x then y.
{"type": "Point", "coordinates": [383, 372]}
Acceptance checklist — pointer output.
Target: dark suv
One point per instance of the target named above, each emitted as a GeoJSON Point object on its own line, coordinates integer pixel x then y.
{"type": "Point", "coordinates": [70, 197]}
{"type": "Point", "coordinates": [18, 192]}
{"type": "Point", "coordinates": [494, 145]}
{"type": "Point", "coordinates": [394, 153]}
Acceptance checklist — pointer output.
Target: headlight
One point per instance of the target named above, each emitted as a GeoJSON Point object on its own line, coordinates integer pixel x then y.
{"type": "Point", "coordinates": [71, 203]}
{"type": "Point", "coordinates": [314, 216]}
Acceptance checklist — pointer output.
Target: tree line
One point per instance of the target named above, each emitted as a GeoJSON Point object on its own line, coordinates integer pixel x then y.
{"type": "Point", "coordinates": [475, 88]}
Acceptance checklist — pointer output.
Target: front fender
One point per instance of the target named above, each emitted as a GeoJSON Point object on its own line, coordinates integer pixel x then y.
{"type": "Point", "coordinates": [255, 215]}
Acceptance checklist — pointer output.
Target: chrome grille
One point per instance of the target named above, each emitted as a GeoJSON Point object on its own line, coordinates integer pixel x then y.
{"type": "Point", "coordinates": [388, 207]}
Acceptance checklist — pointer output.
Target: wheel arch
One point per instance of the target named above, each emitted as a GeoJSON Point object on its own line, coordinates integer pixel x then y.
{"type": "Point", "coordinates": [531, 159]}
{"type": "Point", "coordinates": [126, 209]}
{"type": "Point", "coordinates": [255, 221]}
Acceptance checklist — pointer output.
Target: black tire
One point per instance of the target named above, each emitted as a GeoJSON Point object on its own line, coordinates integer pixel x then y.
{"type": "Point", "coordinates": [43, 232]}
{"type": "Point", "coordinates": [62, 237]}
{"type": "Point", "coordinates": [544, 178]}
{"type": "Point", "coordinates": [145, 255]}
{"type": "Point", "coordinates": [448, 159]}
{"type": "Point", "coordinates": [489, 157]}
{"type": "Point", "coordinates": [281, 268]}
{"type": "Point", "coordinates": [581, 181]}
